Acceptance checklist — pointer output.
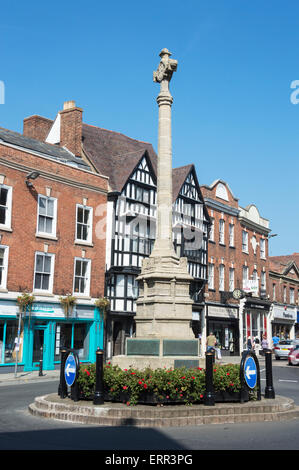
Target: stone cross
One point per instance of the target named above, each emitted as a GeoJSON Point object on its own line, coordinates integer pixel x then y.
{"type": "Point", "coordinates": [166, 67]}
{"type": "Point", "coordinates": [163, 244]}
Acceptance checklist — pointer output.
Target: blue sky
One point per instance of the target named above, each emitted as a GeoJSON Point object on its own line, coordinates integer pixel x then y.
{"type": "Point", "coordinates": [232, 113]}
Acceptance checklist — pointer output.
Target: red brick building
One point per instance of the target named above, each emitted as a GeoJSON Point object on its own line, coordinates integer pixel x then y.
{"type": "Point", "coordinates": [51, 203]}
{"type": "Point", "coordinates": [237, 260]}
{"type": "Point", "coordinates": [284, 293]}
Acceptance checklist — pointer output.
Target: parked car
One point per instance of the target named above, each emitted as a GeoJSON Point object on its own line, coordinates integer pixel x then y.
{"type": "Point", "coordinates": [293, 357]}
{"type": "Point", "coordinates": [282, 349]}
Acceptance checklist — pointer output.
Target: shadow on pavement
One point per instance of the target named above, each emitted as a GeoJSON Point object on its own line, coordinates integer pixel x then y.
{"type": "Point", "coordinates": [91, 438]}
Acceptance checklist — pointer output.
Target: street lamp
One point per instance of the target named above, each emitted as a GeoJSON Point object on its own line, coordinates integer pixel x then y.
{"type": "Point", "coordinates": [31, 176]}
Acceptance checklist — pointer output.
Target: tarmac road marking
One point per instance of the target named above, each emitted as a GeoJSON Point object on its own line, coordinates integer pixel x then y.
{"type": "Point", "coordinates": [282, 380]}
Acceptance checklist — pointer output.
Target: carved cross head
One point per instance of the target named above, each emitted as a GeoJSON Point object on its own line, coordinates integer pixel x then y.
{"type": "Point", "coordinates": [166, 67]}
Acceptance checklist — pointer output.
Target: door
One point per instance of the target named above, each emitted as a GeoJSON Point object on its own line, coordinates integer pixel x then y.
{"type": "Point", "coordinates": [38, 345]}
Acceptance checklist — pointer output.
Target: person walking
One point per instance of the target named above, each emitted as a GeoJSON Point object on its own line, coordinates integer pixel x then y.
{"type": "Point", "coordinates": [265, 344]}
{"type": "Point", "coordinates": [249, 343]}
{"type": "Point", "coordinates": [211, 342]}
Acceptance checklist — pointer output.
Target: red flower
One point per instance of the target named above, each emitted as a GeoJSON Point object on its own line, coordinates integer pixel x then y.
{"type": "Point", "coordinates": [87, 372]}
{"type": "Point", "coordinates": [167, 396]}
{"type": "Point", "coordinates": [128, 403]}
{"type": "Point", "coordinates": [193, 378]}
{"type": "Point", "coordinates": [183, 377]}
{"type": "Point", "coordinates": [125, 387]}
{"type": "Point", "coordinates": [133, 373]}
{"type": "Point", "coordinates": [227, 373]}
{"type": "Point", "coordinates": [144, 386]}
{"type": "Point", "coordinates": [200, 396]}
{"type": "Point", "coordinates": [140, 383]}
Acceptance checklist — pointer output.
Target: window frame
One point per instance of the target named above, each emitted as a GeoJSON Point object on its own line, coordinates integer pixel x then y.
{"type": "Point", "coordinates": [86, 292]}
{"type": "Point", "coordinates": [54, 218]}
{"type": "Point", "coordinates": [3, 283]}
{"type": "Point", "coordinates": [222, 231]}
{"type": "Point", "coordinates": [51, 274]}
{"type": "Point", "coordinates": [89, 232]}
{"type": "Point", "coordinates": [244, 244]}
{"type": "Point", "coordinates": [8, 212]}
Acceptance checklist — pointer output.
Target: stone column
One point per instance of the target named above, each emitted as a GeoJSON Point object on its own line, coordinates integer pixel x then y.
{"type": "Point", "coordinates": [163, 244]}
{"type": "Point", "coordinates": [164, 307]}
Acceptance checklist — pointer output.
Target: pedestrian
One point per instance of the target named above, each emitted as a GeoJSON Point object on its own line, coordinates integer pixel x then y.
{"type": "Point", "coordinates": [211, 342]}
{"type": "Point", "coordinates": [275, 340]}
{"type": "Point", "coordinates": [265, 344]}
{"type": "Point", "coordinates": [249, 343]}
{"type": "Point", "coordinates": [257, 345]}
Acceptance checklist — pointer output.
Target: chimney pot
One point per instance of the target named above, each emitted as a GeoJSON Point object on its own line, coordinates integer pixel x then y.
{"type": "Point", "coordinates": [69, 104]}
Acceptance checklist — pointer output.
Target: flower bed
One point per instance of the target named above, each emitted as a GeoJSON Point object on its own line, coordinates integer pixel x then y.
{"type": "Point", "coordinates": [167, 386]}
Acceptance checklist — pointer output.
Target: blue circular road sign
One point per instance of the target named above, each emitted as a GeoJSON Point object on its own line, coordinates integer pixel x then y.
{"type": "Point", "coordinates": [250, 372]}
{"type": "Point", "coordinates": [70, 370]}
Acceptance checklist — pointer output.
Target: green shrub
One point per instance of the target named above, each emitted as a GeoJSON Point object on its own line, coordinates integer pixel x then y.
{"type": "Point", "coordinates": [173, 385]}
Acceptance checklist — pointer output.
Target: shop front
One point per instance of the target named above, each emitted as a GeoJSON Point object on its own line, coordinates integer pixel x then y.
{"type": "Point", "coordinates": [283, 321]}
{"type": "Point", "coordinates": [44, 332]}
{"type": "Point", "coordinates": [255, 319]}
{"type": "Point", "coordinates": [223, 321]}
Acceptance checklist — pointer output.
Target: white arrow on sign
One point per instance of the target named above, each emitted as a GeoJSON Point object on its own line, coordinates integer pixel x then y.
{"type": "Point", "coordinates": [69, 369]}
{"type": "Point", "coordinates": [249, 372]}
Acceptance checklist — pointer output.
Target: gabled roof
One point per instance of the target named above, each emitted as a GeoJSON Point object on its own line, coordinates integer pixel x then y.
{"type": "Point", "coordinates": [283, 265]}
{"type": "Point", "coordinates": [48, 150]}
{"type": "Point", "coordinates": [115, 155]}
{"type": "Point", "coordinates": [178, 178]}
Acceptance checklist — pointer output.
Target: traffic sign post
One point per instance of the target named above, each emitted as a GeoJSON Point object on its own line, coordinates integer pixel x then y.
{"type": "Point", "coordinates": [269, 390]}
{"type": "Point", "coordinates": [71, 370]}
{"type": "Point", "coordinates": [62, 388]}
{"type": "Point", "coordinates": [249, 375]}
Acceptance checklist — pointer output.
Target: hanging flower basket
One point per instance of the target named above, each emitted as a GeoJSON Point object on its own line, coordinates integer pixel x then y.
{"type": "Point", "coordinates": [25, 302]}
{"type": "Point", "coordinates": [102, 303]}
{"type": "Point", "coordinates": [68, 302]}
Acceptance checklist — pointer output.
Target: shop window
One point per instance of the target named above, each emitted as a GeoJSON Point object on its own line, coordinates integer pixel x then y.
{"type": "Point", "coordinates": [72, 336]}
{"type": "Point", "coordinates": [8, 333]}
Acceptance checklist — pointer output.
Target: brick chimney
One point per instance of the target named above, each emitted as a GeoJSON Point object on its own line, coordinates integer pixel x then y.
{"type": "Point", "coordinates": [71, 127]}
{"type": "Point", "coordinates": [37, 127]}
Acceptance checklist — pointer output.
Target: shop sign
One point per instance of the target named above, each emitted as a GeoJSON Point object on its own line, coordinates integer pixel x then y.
{"type": "Point", "coordinates": [251, 286]}
{"type": "Point", "coordinates": [286, 313]}
{"type": "Point", "coordinates": [42, 308]}
{"type": "Point", "coordinates": [225, 312]}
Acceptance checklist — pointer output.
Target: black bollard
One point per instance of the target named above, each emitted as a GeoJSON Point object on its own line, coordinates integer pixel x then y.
{"type": "Point", "coordinates": [99, 388]}
{"type": "Point", "coordinates": [62, 388]}
{"type": "Point", "coordinates": [209, 398]}
{"type": "Point", "coordinates": [40, 374]}
{"type": "Point", "coordinates": [269, 390]}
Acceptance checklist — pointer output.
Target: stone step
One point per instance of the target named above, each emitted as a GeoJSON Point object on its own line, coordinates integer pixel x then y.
{"type": "Point", "coordinates": [116, 414]}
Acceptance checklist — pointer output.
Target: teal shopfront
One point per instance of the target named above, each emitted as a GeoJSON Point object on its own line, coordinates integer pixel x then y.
{"type": "Point", "coordinates": [45, 331]}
